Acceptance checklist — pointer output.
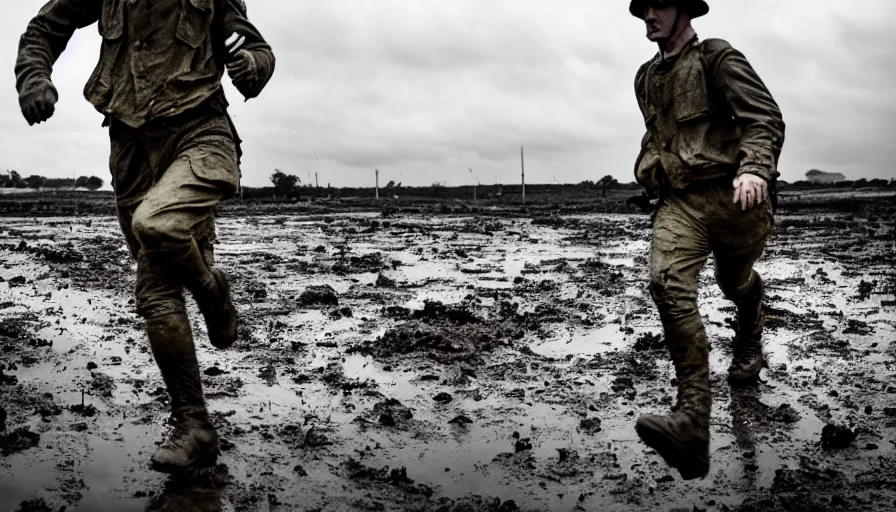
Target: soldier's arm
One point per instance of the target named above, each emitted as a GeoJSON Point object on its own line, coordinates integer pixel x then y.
{"type": "Point", "coordinates": [648, 161]}
{"type": "Point", "coordinates": [755, 110]}
{"type": "Point", "coordinates": [46, 37]}
{"type": "Point", "coordinates": [256, 77]}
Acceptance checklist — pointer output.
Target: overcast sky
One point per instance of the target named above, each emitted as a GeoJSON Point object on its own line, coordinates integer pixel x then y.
{"type": "Point", "coordinates": [424, 89]}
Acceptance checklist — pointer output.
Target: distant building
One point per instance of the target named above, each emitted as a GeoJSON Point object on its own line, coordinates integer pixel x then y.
{"type": "Point", "coordinates": [816, 176]}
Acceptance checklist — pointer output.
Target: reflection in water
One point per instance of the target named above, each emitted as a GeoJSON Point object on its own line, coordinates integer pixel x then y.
{"type": "Point", "coordinates": [201, 492]}
{"type": "Point", "coordinates": [744, 407]}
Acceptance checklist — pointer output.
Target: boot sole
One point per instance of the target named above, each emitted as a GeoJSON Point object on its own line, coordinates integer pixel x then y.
{"type": "Point", "coordinates": [673, 453]}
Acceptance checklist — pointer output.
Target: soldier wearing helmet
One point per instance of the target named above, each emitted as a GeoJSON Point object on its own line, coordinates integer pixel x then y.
{"type": "Point", "coordinates": [174, 157]}
{"type": "Point", "coordinates": [709, 161]}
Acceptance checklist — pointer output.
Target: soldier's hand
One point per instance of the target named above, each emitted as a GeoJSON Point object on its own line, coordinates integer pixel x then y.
{"type": "Point", "coordinates": [750, 190]}
{"type": "Point", "coordinates": [38, 101]}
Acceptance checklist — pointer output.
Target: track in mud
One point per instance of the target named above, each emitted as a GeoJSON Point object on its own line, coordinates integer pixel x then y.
{"type": "Point", "coordinates": [445, 364]}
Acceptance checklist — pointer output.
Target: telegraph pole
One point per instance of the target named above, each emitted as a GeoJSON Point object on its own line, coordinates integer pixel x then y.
{"type": "Point", "coordinates": [377, 171]}
{"type": "Point", "coordinates": [316, 171]}
{"type": "Point", "coordinates": [523, 173]}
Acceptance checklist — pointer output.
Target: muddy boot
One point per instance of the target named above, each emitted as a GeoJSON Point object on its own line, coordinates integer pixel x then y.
{"type": "Point", "coordinates": [211, 291]}
{"type": "Point", "coordinates": [193, 444]}
{"type": "Point", "coordinates": [682, 437]}
{"type": "Point", "coordinates": [748, 359]}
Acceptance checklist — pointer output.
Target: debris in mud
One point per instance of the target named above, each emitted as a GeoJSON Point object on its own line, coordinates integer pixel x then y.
{"type": "Point", "coordinates": [82, 410]}
{"type": "Point", "coordinates": [397, 477]}
{"type": "Point", "coordinates": [17, 281]}
{"type": "Point", "coordinates": [323, 295]}
{"type": "Point", "coordinates": [434, 310]}
{"type": "Point", "coordinates": [102, 384]}
{"type": "Point", "coordinates": [523, 444]}
{"type": "Point", "coordinates": [859, 327]}
{"type": "Point", "coordinates": [345, 312]}
{"type": "Point", "coordinates": [8, 380]}
{"type": "Point", "coordinates": [836, 437]}
{"type": "Point", "coordinates": [460, 420]}
{"type": "Point", "coordinates": [384, 282]}
{"type": "Point", "coordinates": [649, 341]}
{"type": "Point", "coordinates": [389, 412]}
{"type": "Point", "coordinates": [590, 426]}
{"type": "Point", "coordinates": [443, 398]}
{"type": "Point", "coordinates": [18, 440]}
{"type": "Point", "coordinates": [458, 375]}
{"type": "Point", "coordinates": [214, 371]}
{"type": "Point", "coordinates": [368, 263]}
{"type": "Point", "coordinates": [785, 413]}
{"type": "Point", "coordinates": [37, 505]}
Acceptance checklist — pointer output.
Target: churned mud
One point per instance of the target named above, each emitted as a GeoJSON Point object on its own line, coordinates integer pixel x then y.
{"type": "Point", "coordinates": [445, 363]}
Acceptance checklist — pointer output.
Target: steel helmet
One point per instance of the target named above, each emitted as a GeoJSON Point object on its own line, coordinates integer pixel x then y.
{"type": "Point", "coordinates": [695, 8]}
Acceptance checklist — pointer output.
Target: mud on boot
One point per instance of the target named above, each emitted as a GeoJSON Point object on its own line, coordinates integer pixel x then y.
{"type": "Point", "coordinates": [680, 441]}
{"type": "Point", "coordinates": [746, 364]}
{"type": "Point", "coordinates": [219, 313]}
{"type": "Point", "coordinates": [193, 445]}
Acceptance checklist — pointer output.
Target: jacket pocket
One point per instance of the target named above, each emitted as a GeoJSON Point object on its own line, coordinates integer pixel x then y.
{"type": "Point", "coordinates": [214, 162]}
{"type": "Point", "coordinates": [194, 24]}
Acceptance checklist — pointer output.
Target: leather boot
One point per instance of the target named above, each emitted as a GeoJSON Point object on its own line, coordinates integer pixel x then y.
{"type": "Point", "coordinates": [748, 359]}
{"type": "Point", "coordinates": [193, 442]}
{"type": "Point", "coordinates": [211, 291]}
{"type": "Point", "coordinates": [682, 437]}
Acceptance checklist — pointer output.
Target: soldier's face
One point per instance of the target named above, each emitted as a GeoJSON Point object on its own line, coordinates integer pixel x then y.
{"type": "Point", "coordinates": [660, 21]}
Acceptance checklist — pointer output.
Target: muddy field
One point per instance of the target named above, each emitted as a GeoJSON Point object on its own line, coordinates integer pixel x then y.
{"type": "Point", "coordinates": [445, 363]}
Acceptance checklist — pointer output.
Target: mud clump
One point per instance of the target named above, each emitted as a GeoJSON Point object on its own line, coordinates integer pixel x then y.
{"type": "Point", "coordinates": [382, 281]}
{"type": "Point", "coordinates": [18, 440]}
{"type": "Point", "coordinates": [102, 384]}
{"type": "Point", "coordinates": [36, 505]}
{"type": "Point", "coordinates": [390, 413]}
{"type": "Point", "coordinates": [859, 327]}
{"type": "Point", "coordinates": [649, 341]}
{"type": "Point", "coordinates": [434, 311]}
{"type": "Point", "coordinates": [836, 437]}
{"type": "Point", "coordinates": [367, 263]}
{"type": "Point", "coordinates": [396, 477]}
{"type": "Point", "coordinates": [323, 295]}
{"type": "Point", "coordinates": [785, 413]}
{"type": "Point", "coordinates": [590, 426]}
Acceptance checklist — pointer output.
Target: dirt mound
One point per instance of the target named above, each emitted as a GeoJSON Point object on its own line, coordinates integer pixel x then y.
{"type": "Point", "coordinates": [323, 295]}
{"type": "Point", "coordinates": [18, 440]}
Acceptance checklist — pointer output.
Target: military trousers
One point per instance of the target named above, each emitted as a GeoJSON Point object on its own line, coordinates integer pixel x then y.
{"type": "Point", "coordinates": [688, 227]}
{"type": "Point", "coordinates": [168, 177]}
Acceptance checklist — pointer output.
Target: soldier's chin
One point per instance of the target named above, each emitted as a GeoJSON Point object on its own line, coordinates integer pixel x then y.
{"type": "Point", "coordinates": [655, 35]}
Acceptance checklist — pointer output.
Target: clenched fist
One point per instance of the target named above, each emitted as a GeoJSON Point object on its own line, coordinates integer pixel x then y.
{"type": "Point", "coordinates": [38, 101]}
{"type": "Point", "coordinates": [241, 65]}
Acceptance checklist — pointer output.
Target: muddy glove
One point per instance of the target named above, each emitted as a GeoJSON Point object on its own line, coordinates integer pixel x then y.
{"type": "Point", "coordinates": [242, 66]}
{"type": "Point", "coordinates": [642, 202]}
{"type": "Point", "coordinates": [38, 101]}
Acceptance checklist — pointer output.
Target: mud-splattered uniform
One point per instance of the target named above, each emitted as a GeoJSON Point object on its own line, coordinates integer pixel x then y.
{"type": "Point", "coordinates": [174, 152]}
{"type": "Point", "coordinates": [709, 118]}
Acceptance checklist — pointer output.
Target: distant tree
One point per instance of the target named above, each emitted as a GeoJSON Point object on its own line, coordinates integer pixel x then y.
{"type": "Point", "coordinates": [35, 181]}
{"type": "Point", "coordinates": [284, 184]}
{"type": "Point", "coordinates": [860, 183]}
{"type": "Point", "coordinates": [438, 184]}
{"type": "Point", "coordinates": [94, 183]}
{"type": "Point", "coordinates": [604, 183]}
{"type": "Point", "coordinates": [81, 182]}
{"type": "Point", "coordinates": [391, 184]}
{"type": "Point", "coordinates": [877, 183]}
{"type": "Point", "coordinates": [12, 179]}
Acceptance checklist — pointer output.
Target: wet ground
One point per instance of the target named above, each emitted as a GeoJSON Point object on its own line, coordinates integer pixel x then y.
{"type": "Point", "coordinates": [445, 364]}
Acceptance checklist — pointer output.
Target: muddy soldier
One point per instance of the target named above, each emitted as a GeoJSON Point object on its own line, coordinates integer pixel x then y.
{"type": "Point", "coordinates": [709, 157]}
{"type": "Point", "coordinates": [174, 156]}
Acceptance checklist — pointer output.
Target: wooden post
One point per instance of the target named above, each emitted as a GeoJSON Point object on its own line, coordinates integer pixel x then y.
{"type": "Point", "coordinates": [523, 173]}
{"type": "Point", "coordinates": [377, 183]}
{"type": "Point", "coordinates": [474, 192]}
{"type": "Point", "coordinates": [316, 171]}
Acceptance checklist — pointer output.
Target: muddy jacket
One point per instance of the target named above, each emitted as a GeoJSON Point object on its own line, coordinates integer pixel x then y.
{"type": "Point", "coordinates": [158, 58]}
{"type": "Point", "coordinates": [708, 117]}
